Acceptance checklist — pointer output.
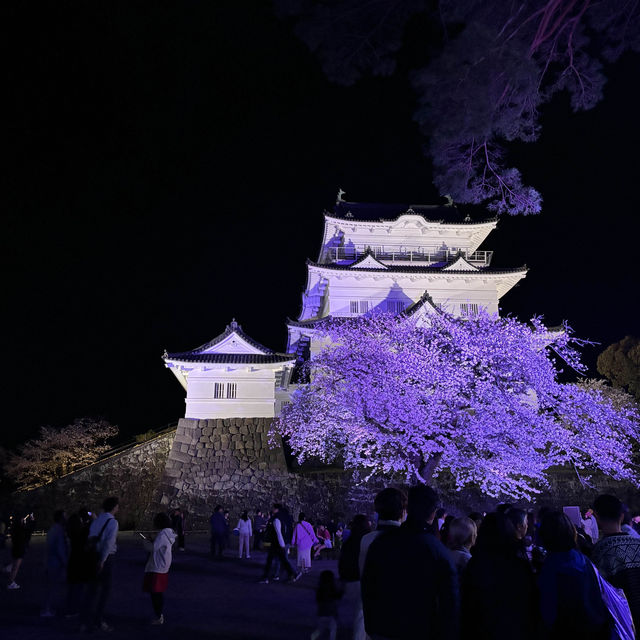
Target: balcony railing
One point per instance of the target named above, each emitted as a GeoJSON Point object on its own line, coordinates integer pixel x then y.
{"type": "Point", "coordinates": [403, 255]}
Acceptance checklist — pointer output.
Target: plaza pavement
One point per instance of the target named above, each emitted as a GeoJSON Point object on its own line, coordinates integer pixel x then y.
{"type": "Point", "coordinates": [205, 599]}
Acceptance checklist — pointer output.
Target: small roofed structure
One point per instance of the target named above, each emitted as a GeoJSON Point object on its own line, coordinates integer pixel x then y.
{"type": "Point", "coordinates": [232, 376]}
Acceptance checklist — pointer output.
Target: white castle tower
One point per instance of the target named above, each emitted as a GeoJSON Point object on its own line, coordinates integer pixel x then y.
{"type": "Point", "coordinates": [398, 258]}
{"type": "Point", "coordinates": [374, 257]}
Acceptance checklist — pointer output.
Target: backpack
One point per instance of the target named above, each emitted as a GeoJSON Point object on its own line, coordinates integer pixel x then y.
{"type": "Point", "coordinates": [91, 551]}
{"type": "Point", "coordinates": [286, 526]}
{"type": "Point", "coordinates": [619, 613]}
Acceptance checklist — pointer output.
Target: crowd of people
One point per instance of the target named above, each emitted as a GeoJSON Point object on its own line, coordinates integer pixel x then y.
{"type": "Point", "coordinates": [508, 574]}
{"type": "Point", "coordinates": [80, 552]}
{"type": "Point", "coordinates": [411, 571]}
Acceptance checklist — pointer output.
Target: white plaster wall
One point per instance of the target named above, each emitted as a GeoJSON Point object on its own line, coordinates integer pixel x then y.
{"type": "Point", "coordinates": [255, 394]}
{"type": "Point", "coordinates": [408, 232]}
{"type": "Point", "coordinates": [448, 292]}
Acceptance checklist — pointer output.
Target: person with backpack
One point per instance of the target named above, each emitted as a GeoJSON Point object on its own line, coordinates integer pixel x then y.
{"type": "Point", "coordinates": [303, 539]}
{"type": "Point", "coordinates": [617, 554]}
{"type": "Point", "coordinates": [273, 535]}
{"type": "Point", "coordinates": [100, 550]}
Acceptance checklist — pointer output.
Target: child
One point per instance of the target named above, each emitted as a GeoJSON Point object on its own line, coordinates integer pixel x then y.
{"type": "Point", "coordinates": [327, 596]}
{"type": "Point", "coordinates": [156, 571]}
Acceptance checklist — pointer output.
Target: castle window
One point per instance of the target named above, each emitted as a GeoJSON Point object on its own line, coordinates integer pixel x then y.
{"type": "Point", "coordinates": [218, 390]}
{"type": "Point", "coordinates": [395, 306]}
{"type": "Point", "coordinates": [231, 390]}
{"type": "Point", "coordinates": [358, 306]}
{"type": "Point", "coordinates": [468, 308]}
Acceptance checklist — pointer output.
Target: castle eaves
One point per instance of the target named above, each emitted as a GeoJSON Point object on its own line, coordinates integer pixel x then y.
{"type": "Point", "coordinates": [231, 358]}
{"type": "Point", "coordinates": [374, 212]}
{"type": "Point", "coordinates": [410, 270]}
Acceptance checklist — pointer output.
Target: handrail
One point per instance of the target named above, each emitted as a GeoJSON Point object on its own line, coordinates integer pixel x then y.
{"type": "Point", "coordinates": [410, 254]}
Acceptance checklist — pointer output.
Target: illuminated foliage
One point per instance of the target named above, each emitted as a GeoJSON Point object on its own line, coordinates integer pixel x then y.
{"type": "Point", "coordinates": [478, 397]}
{"type": "Point", "coordinates": [57, 452]}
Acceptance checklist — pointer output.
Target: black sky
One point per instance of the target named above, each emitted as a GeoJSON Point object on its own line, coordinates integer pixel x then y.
{"type": "Point", "coordinates": [167, 166]}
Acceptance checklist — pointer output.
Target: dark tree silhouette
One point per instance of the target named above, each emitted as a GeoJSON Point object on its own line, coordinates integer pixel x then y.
{"type": "Point", "coordinates": [620, 363]}
{"type": "Point", "coordinates": [492, 66]}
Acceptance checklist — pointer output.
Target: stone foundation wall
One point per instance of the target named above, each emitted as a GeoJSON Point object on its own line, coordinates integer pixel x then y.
{"type": "Point", "coordinates": [230, 462]}
{"type": "Point", "coordinates": [133, 476]}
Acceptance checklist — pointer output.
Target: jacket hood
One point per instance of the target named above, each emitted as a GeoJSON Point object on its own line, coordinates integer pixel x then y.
{"type": "Point", "coordinates": [170, 533]}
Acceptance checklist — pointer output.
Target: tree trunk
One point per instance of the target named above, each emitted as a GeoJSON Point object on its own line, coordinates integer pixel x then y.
{"type": "Point", "coordinates": [427, 467]}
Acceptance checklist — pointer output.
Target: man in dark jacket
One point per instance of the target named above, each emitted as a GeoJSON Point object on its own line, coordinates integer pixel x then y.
{"type": "Point", "coordinates": [273, 536]}
{"type": "Point", "coordinates": [218, 532]}
{"type": "Point", "coordinates": [409, 584]}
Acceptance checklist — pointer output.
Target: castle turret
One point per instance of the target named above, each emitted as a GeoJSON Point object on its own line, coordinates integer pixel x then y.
{"type": "Point", "coordinates": [231, 376]}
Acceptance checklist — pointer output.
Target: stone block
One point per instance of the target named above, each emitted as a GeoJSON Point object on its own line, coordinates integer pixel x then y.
{"type": "Point", "coordinates": [172, 473]}
{"type": "Point", "coordinates": [233, 429]}
{"type": "Point", "coordinates": [182, 438]}
{"type": "Point", "coordinates": [180, 456]}
{"type": "Point", "coordinates": [227, 422]}
{"type": "Point", "coordinates": [207, 431]}
{"type": "Point", "coordinates": [249, 444]}
{"type": "Point", "coordinates": [224, 445]}
{"type": "Point", "coordinates": [244, 429]}
{"type": "Point", "coordinates": [184, 448]}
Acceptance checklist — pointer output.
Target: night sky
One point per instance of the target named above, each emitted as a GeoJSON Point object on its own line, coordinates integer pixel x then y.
{"type": "Point", "coordinates": [167, 165]}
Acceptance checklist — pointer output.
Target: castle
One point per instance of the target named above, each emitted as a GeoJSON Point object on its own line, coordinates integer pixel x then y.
{"type": "Point", "coordinates": [374, 257]}
{"type": "Point", "coordinates": [409, 259]}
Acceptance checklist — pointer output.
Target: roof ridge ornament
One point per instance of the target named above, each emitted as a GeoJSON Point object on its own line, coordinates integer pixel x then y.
{"type": "Point", "coordinates": [449, 200]}
{"type": "Point", "coordinates": [233, 325]}
{"type": "Point", "coordinates": [341, 193]}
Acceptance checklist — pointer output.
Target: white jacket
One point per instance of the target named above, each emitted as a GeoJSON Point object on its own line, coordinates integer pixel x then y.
{"type": "Point", "coordinates": [244, 526]}
{"type": "Point", "coordinates": [160, 552]}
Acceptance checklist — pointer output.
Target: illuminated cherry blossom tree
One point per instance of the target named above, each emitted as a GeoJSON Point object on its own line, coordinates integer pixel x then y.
{"type": "Point", "coordinates": [478, 397]}
{"type": "Point", "coordinates": [57, 452]}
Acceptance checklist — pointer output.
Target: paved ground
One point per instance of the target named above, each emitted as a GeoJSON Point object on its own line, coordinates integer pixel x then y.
{"type": "Point", "coordinates": [205, 599]}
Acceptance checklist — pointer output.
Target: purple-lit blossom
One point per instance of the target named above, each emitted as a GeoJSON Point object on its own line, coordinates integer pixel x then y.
{"type": "Point", "coordinates": [478, 397]}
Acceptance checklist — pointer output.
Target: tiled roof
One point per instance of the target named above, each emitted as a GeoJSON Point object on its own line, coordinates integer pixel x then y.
{"type": "Point", "coordinates": [374, 212]}
{"type": "Point", "coordinates": [231, 358]}
{"type": "Point", "coordinates": [232, 327]}
{"type": "Point", "coordinates": [304, 323]}
{"type": "Point", "coordinates": [409, 269]}
{"type": "Point", "coordinates": [425, 298]}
